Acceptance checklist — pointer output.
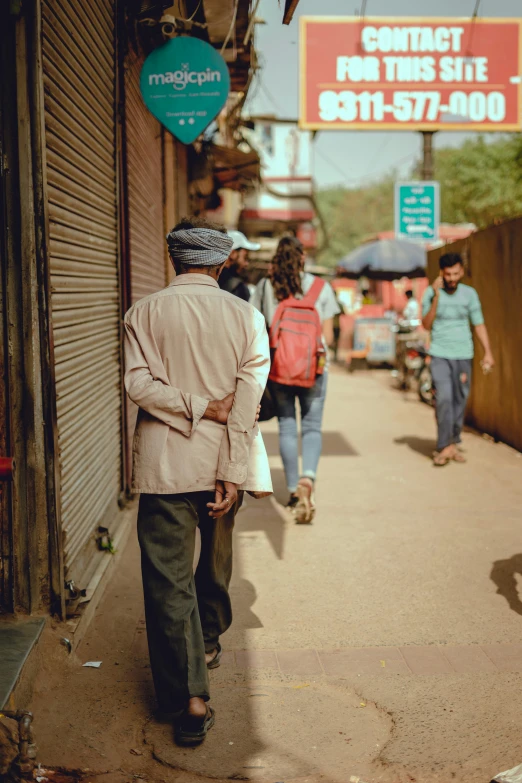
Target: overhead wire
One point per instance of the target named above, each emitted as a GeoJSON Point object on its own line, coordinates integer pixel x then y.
{"type": "Point", "coordinates": [260, 84]}
{"type": "Point", "coordinates": [231, 28]}
{"type": "Point", "coordinates": [195, 12]}
{"type": "Point", "coordinates": [474, 18]}
{"type": "Point", "coordinates": [358, 180]}
{"type": "Point", "coordinates": [362, 15]}
{"type": "Point", "coordinates": [379, 152]}
{"type": "Point", "coordinates": [270, 96]}
{"type": "Point", "coordinates": [335, 166]}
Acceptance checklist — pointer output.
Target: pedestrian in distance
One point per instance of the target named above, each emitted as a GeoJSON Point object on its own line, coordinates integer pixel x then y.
{"type": "Point", "coordinates": [197, 361]}
{"type": "Point", "coordinates": [299, 309]}
{"type": "Point", "coordinates": [411, 311]}
{"type": "Point", "coordinates": [233, 276]}
{"type": "Point", "coordinates": [449, 309]}
{"type": "Point", "coordinates": [336, 328]}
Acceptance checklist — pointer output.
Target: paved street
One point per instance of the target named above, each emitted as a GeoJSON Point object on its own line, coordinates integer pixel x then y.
{"type": "Point", "coordinates": [382, 643]}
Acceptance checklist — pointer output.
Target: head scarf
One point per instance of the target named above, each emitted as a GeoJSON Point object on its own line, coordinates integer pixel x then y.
{"type": "Point", "coordinates": [199, 246]}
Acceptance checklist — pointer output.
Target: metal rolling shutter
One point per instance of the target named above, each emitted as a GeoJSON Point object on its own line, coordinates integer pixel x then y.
{"type": "Point", "coordinates": [145, 203]}
{"type": "Point", "coordinates": [79, 79]}
{"type": "Point", "coordinates": [145, 189]}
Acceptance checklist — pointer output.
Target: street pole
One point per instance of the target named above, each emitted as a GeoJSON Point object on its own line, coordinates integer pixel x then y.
{"type": "Point", "coordinates": [427, 160]}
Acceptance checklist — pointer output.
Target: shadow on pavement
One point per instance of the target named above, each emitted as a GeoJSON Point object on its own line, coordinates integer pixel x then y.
{"type": "Point", "coordinates": [503, 576]}
{"type": "Point", "coordinates": [244, 595]}
{"type": "Point", "coordinates": [265, 519]}
{"type": "Point", "coordinates": [424, 446]}
{"type": "Point", "coordinates": [281, 493]}
{"type": "Point", "coordinates": [334, 445]}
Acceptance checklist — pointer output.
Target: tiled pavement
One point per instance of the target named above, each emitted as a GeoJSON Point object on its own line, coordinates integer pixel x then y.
{"type": "Point", "coordinates": [410, 660]}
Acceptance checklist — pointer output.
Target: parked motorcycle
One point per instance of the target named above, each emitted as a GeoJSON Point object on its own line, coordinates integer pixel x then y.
{"type": "Point", "coordinates": [425, 382]}
{"type": "Point", "coordinates": [413, 363]}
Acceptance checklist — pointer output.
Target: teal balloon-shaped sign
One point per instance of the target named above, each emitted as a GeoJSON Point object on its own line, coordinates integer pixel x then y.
{"type": "Point", "coordinates": [185, 84]}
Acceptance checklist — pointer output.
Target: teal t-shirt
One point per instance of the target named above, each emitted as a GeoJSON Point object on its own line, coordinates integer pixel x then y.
{"type": "Point", "coordinates": [451, 336]}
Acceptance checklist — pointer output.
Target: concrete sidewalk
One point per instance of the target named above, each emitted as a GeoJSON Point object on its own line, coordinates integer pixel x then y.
{"type": "Point", "coordinates": [381, 643]}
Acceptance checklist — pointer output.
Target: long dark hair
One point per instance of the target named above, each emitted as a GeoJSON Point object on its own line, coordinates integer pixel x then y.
{"type": "Point", "coordinates": [286, 269]}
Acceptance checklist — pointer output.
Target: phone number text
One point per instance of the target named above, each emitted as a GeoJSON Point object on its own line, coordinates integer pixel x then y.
{"type": "Point", "coordinates": [347, 106]}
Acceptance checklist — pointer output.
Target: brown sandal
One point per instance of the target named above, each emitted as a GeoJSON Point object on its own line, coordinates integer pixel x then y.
{"type": "Point", "coordinates": [305, 506]}
{"type": "Point", "coordinates": [439, 461]}
{"type": "Point", "coordinates": [459, 457]}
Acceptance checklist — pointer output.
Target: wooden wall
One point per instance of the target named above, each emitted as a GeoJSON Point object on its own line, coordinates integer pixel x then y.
{"type": "Point", "coordinates": [493, 259]}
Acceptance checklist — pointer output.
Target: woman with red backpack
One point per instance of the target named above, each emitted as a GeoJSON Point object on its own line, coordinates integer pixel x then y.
{"type": "Point", "coordinates": [298, 309]}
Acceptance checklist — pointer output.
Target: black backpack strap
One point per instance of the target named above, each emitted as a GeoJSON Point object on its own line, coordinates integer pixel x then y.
{"type": "Point", "coordinates": [232, 284]}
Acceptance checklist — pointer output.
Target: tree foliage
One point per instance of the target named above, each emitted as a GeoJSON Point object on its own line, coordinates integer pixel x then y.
{"type": "Point", "coordinates": [352, 215]}
{"type": "Point", "coordinates": [481, 183]}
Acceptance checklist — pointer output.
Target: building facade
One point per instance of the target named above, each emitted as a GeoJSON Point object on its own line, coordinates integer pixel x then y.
{"type": "Point", "coordinates": [91, 183]}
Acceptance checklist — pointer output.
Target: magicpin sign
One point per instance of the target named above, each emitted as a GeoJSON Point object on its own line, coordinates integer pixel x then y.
{"type": "Point", "coordinates": [185, 84]}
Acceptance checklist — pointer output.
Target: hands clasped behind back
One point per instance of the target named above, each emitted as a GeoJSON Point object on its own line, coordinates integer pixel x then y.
{"type": "Point", "coordinates": [226, 492]}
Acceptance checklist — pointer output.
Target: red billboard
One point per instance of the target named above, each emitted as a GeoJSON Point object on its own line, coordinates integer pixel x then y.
{"type": "Point", "coordinates": [414, 74]}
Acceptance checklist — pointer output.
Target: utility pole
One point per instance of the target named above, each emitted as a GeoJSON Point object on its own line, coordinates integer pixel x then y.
{"type": "Point", "coordinates": [427, 160]}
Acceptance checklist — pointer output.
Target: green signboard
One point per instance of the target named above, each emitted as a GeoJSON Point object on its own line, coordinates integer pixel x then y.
{"type": "Point", "coordinates": [185, 84]}
{"type": "Point", "coordinates": [417, 211]}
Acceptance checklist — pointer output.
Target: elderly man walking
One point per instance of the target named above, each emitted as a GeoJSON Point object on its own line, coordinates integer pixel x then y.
{"type": "Point", "coordinates": [197, 361]}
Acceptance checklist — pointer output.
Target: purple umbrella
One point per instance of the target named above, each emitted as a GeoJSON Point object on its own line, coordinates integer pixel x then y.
{"type": "Point", "coordinates": [386, 259]}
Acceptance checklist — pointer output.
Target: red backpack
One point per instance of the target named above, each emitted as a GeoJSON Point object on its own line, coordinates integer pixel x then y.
{"type": "Point", "coordinates": [296, 340]}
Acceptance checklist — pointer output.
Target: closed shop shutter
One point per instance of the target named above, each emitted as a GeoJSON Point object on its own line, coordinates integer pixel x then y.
{"type": "Point", "coordinates": [80, 87]}
{"type": "Point", "coordinates": [147, 244]}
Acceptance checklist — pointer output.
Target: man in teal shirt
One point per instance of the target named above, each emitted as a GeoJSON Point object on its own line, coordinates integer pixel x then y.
{"type": "Point", "coordinates": [449, 309]}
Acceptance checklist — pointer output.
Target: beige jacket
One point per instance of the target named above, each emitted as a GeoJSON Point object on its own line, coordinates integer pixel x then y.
{"type": "Point", "coordinates": [184, 346]}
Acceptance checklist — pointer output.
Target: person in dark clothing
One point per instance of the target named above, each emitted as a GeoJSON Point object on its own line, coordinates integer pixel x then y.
{"type": "Point", "coordinates": [233, 275]}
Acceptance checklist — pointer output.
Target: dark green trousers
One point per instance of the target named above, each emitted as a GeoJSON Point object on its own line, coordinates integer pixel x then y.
{"type": "Point", "coordinates": [185, 614]}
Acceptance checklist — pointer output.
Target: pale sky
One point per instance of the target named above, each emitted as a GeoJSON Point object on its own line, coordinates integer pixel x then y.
{"type": "Point", "coordinates": [349, 158]}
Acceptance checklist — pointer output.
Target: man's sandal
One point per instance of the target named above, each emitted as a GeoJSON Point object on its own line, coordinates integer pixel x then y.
{"type": "Point", "coordinates": [215, 662]}
{"type": "Point", "coordinates": [459, 457]}
{"type": "Point", "coordinates": [192, 730]}
{"type": "Point", "coordinates": [439, 461]}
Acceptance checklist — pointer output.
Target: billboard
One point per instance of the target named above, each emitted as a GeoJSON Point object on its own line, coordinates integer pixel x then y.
{"type": "Point", "coordinates": [412, 74]}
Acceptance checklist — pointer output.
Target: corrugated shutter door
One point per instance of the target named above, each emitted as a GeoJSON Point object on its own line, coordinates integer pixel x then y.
{"type": "Point", "coordinates": [145, 188]}
{"type": "Point", "coordinates": [79, 74]}
{"type": "Point", "coordinates": [145, 202]}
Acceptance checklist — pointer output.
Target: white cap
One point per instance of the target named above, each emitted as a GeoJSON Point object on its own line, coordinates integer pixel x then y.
{"type": "Point", "coordinates": [241, 242]}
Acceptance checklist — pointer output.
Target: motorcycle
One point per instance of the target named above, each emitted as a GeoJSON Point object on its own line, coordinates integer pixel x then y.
{"type": "Point", "coordinates": [413, 363]}
{"type": "Point", "coordinates": [425, 382]}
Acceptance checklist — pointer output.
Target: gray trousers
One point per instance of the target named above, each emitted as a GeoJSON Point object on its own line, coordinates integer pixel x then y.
{"type": "Point", "coordinates": [185, 613]}
{"type": "Point", "coordinates": [452, 383]}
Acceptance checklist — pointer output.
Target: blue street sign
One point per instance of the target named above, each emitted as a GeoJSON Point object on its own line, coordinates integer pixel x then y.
{"type": "Point", "coordinates": [417, 211]}
{"type": "Point", "coordinates": [185, 84]}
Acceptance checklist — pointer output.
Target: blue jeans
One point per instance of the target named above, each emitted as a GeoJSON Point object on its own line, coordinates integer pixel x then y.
{"type": "Point", "coordinates": [311, 403]}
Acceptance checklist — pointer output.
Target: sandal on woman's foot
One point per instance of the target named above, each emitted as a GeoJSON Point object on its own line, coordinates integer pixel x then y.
{"type": "Point", "coordinates": [192, 730]}
{"type": "Point", "coordinates": [215, 661]}
{"type": "Point", "coordinates": [305, 507]}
